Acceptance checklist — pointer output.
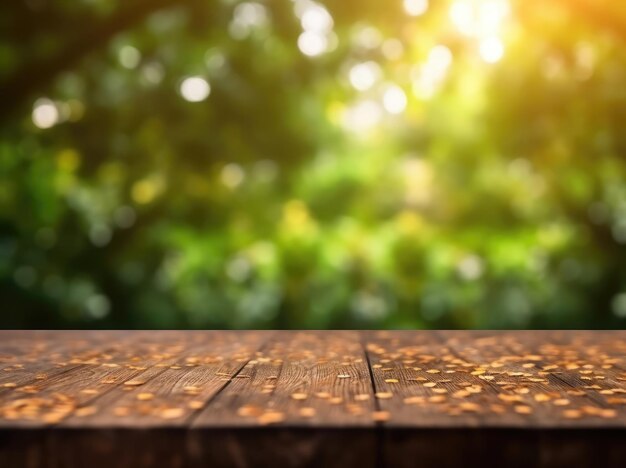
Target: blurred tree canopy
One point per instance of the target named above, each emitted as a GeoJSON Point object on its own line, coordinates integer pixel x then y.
{"type": "Point", "coordinates": [301, 164]}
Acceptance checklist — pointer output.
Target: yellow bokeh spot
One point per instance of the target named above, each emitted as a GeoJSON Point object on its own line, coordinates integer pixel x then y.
{"type": "Point", "coordinates": [296, 213]}
{"type": "Point", "coordinates": [296, 218]}
{"type": "Point", "coordinates": [146, 190]}
{"type": "Point", "coordinates": [68, 160]}
{"type": "Point", "coordinates": [409, 222]}
{"type": "Point", "coordinates": [418, 178]}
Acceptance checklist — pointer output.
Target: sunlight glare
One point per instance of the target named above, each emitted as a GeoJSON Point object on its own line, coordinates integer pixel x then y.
{"type": "Point", "coordinates": [45, 113]}
{"type": "Point", "coordinates": [491, 49]}
{"type": "Point", "coordinates": [195, 89]}
{"type": "Point", "coordinates": [312, 44]}
{"type": "Point", "coordinates": [316, 18]}
{"type": "Point", "coordinates": [415, 7]}
{"type": "Point", "coordinates": [246, 17]}
{"type": "Point", "coordinates": [317, 28]}
{"type": "Point", "coordinates": [394, 100]}
{"type": "Point", "coordinates": [363, 116]}
{"type": "Point", "coordinates": [364, 75]}
{"type": "Point", "coordinates": [479, 18]}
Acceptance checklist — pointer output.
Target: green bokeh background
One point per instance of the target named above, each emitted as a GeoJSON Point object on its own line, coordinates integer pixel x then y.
{"type": "Point", "coordinates": [495, 198]}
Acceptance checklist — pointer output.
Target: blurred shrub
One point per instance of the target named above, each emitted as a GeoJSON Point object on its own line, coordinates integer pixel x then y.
{"type": "Point", "coordinates": [452, 164]}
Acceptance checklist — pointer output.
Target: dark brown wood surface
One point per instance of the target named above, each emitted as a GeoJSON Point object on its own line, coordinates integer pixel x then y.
{"type": "Point", "coordinates": [312, 398]}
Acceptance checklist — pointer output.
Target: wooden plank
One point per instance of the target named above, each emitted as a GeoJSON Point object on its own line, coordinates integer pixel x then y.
{"type": "Point", "coordinates": [284, 446]}
{"type": "Point", "coordinates": [590, 367]}
{"type": "Point", "coordinates": [300, 378]}
{"type": "Point", "coordinates": [174, 387]}
{"type": "Point", "coordinates": [98, 435]}
{"type": "Point", "coordinates": [305, 400]}
{"type": "Point", "coordinates": [503, 438]}
{"type": "Point", "coordinates": [503, 446]}
{"type": "Point", "coordinates": [540, 376]}
{"type": "Point", "coordinates": [518, 387]}
{"type": "Point", "coordinates": [73, 393]}
{"type": "Point", "coordinates": [29, 356]}
{"type": "Point", "coordinates": [49, 353]}
{"type": "Point", "coordinates": [50, 399]}
{"type": "Point", "coordinates": [419, 383]}
{"type": "Point", "coordinates": [93, 447]}
{"type": "Point", "coordinates": [272, 446]}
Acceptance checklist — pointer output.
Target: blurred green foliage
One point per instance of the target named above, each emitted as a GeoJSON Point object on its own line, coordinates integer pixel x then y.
{"type": "Point", "coordinates": [291, 164]}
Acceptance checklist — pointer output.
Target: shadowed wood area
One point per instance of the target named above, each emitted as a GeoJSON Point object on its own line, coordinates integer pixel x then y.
{"type": "Point", "coordinates": [312, 398]}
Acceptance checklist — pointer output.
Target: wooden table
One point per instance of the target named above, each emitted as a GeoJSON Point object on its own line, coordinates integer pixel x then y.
{"type": "Point", "coordinates": [338, 398]}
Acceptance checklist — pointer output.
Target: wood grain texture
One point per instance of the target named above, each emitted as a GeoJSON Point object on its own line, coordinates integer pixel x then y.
{"type": "Point", "coordinates": [299, 379]}
{"type": "Point", "coordinates": [561, 379]}
{"type": "Point", "coordinates": [29, 356]}
{"type": "Point", "coordinates": [172, 384]}
{"type": "Point", "coordinates": [417, 381]}
{"type": "Point", "coordinates": [312, 398]}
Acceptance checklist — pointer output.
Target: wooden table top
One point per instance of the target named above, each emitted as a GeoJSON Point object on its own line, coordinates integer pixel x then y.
{"type": "Point", "coordinates": [308, 398]}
